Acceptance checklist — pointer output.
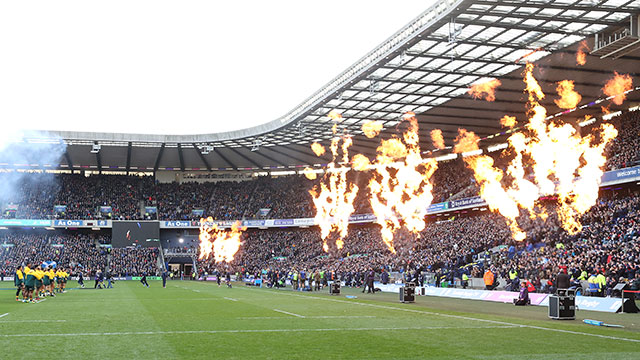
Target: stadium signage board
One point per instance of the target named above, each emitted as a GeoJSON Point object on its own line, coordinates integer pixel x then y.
{"type": "Point", "coordinates": [68, 223]}
{"type": "Point", "coordinates": [82, 223]}
{"type": "Point", "coordinates": [25, 222]}
{"type": "Point", "coordinates": [304, 222]}
{"type": "Point", "coordinates": [254, 223]}
{"type": "Point", "coordinates": [583, 302]}
{"type": "Point", "coordinates": [594, 303]}
{"type": "Point", "coordinates": [278, 222]}
{"type": "Point", "coordinates": [621, 176]}
{"type": "Point", "coordinates": [474, 201]}
{"type": "Point", "coordinates": [178, 224]}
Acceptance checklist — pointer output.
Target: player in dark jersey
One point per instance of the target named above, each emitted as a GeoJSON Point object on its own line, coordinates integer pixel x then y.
{"type": "Point", "coordinates": [143, 280]}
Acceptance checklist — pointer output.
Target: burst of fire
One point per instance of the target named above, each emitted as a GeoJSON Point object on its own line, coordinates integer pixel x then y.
{"type": "Point", "coordinates": [318, 149]}
{"type": "Point", "coordinates": [334, 199]}
{"type": "Point", "coordinates": [581, 56]}
{"type": "Point", "coordinates": [309, 173]}
{"type": "Point", "coordinates": [561, 162]}
{"type": "Point", "coordinates": [485, 89]}
{"type": "Point", "coordinates": [617, 86]}
{"type": "Point", "coordinates": [401, 185]}
{"type": "Point", "coordinates": [569, 98]}
{"type": "Point", "coordinates": [508, 121]}
{"type": "Point", "coordinates": [437, 138]}
{"type": "Point", "coordinates": [223, 244]}
{"type": "Point", "coordinates": [360, 162]}
{"type": "Point", "coordinates": [334, 115]}
{"type": "Point", "coordinates": [371, 129]}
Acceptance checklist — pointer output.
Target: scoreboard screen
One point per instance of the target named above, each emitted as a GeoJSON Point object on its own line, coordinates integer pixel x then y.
{"type": "Point", "coordinates": [135, 233]}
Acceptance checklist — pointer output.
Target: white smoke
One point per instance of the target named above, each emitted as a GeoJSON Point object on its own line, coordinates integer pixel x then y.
{"type": "Point", "coordinates": [31, 150]}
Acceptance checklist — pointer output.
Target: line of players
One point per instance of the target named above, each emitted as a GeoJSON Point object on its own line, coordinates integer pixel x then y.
{"type": "Point", "coordinates": [39, 282]}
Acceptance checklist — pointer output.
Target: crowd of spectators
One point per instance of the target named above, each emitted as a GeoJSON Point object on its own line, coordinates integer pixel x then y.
{"type": "Point", "coordinates": [134, 262]}
{"type": "Point", "coordinates": [625, 148]}
{"type": "Point", "coordinates": [285, 197]}
{"type": "Point", "coordinates": [38, 194]}
{"type": "Point", "coordinates": [76, 251]}
{"type": "Point", "coordinates": [609, 244]}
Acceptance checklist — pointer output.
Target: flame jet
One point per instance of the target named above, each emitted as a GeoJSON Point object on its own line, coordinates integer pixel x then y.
{"type": "Point", "coordinates": [222, 244]}
{"type": "Point", "coordinates": [400, 187]}
{"type": "Point", "coordinates": [549, 159]}
{"type": "Point", "coordinates": [334, 198]}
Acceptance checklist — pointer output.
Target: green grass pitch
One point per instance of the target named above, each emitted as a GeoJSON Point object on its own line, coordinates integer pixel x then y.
{"type": "Point", "coordinates": [190, 320]}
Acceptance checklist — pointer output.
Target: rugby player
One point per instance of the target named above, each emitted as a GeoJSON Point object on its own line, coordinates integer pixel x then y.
{"type": "Point", "coordinates": [39, 286]}
{"type": "Point", "coordinates": [45, 281]}
{"type": "Point", "coordinates": [50, 276]}
{"type": "Point", "coordinates": [18, 280]}
{"type": "Point", "coordinates": [59, 280]}
{"type": "Point", "coordinates": [29, 284]}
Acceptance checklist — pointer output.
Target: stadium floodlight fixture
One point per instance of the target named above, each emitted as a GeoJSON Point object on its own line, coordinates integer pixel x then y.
{"type": "Point", "coordinates": [181, 240]}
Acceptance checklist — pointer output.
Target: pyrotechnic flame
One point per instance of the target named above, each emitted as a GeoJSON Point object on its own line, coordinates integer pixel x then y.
{"type": "Point", "coordinates": [617, 86]}
{"type": "Point", "coordinates": [401, 185]}
{"type": "Point", "coordinates": [335, 115]}
{"type": "Point", "coordinates": [223, 244]}
{"type": "Point", "coordinates": [485, 89]}
{"type": "Point", "coordinates": [508, 121]}
{"type": "Point", "coordinates": [466, 141]}
{"type": "Point", "coordinates": [562, 162]}
{"type": "Point", "coordinates": [360, 162]}
{"type": "Point", "coordinates": [335, 197]}
{"type": "Point", "coordinates": [309, 173]}
{"type": "Point", "coordinates": [318, 149]}
{"type": "Point", "coordinates": [437, 138]}
{"type": "Point", "coordinates": [569, 98]}
{"type": "Point", "coordinates": [371, 129]}
{"type": "Point", "coordinates": [581, 56]}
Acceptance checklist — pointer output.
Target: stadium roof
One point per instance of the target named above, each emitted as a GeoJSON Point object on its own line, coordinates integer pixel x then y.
{"type": "Point", "coordinates": [426, 67]}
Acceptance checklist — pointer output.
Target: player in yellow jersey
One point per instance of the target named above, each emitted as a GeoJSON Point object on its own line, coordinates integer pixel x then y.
{"type": "Point", "coordinates": [18, 280]}
{"type": "Point", "coordinates": [45, 281]}
{"type": "Point", "coordinates": [49, 277]}
{"type": "Point", "coordinates": [59, 280]}
{"type": "Point", "coordinates": [29, 284]}
{"type": "Point", "coordinates": [52, 279]}
{"type": "Point", "coordinates": [39, 286]}
{"type": "Point", "coordinates": [64, 278]}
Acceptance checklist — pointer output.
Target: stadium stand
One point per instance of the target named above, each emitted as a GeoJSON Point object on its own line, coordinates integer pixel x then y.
{"type": "Point", "coordinates": [75, 251]}
{"type": "Point", "coordinates": [225, 200]}
{"type": "Point", "coordinates": [134, 261]}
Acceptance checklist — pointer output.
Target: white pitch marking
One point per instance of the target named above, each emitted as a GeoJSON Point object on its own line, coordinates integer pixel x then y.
{"type": "Point", "coordinates": [143, 299]}
{"type": "Point", "coordinates": [30, 321]}
{"type": "Point", "coordinates": [306, 317]}
{"type": "Point", "coordinates": [289, 313]}
{"type": "Point", "coordinates": [228, 298]}
{"type": "Point", "coordinates": [260, 331]}
{"type": "Point", "coordinates": [3, 315]}
{"type": "Point", "coordinates": [425, 312]}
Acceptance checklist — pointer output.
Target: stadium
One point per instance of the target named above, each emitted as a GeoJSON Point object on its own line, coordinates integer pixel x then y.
{"type": "Point", "coordinates": [469, 188]}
